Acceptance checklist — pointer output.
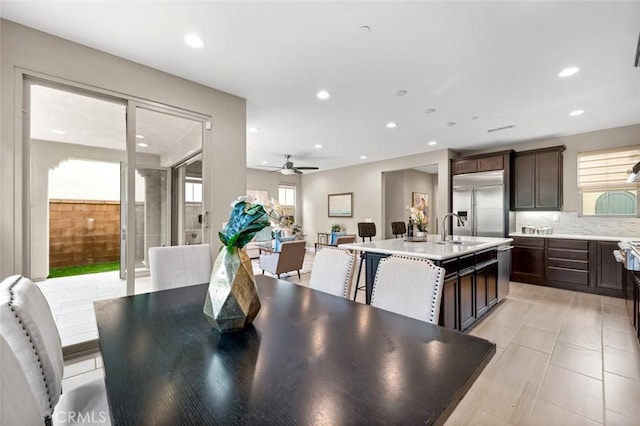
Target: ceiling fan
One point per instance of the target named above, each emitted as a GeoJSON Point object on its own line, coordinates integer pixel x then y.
{"type": "Point", "coordinates": [288, 168]}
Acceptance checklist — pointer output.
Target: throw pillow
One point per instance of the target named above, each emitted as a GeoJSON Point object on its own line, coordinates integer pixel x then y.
{"type": "Point", "coordinates": [335, 235]}
{"type": "Point", "coordinates": [281, 240]}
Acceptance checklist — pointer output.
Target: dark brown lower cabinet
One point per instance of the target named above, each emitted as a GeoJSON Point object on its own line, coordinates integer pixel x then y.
{"type": "Point", "coordinates": [467, 296]}
{"type": "Point", "coordinates": [527, 260]}
{"type": "Point", "coordinates": [449, 306]}
{"type": "Point", "coordinates": [608, 271]}
{"type": "Point", "coordinates": [568, 261]}
{"type": "Point", "coordinates": [486, 288]}
{"type": "Point", "coordinates": [572, 264]}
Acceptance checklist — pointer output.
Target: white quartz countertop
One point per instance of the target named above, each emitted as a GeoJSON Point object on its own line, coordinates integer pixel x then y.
{"type": "Point", "coordinates": [431, 249]}
{"type": "Point", "coordinates": [575, 237]}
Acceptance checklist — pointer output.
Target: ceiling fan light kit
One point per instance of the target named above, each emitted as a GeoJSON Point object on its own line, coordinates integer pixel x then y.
{"type": "Point", "coordinates": [288, 168]}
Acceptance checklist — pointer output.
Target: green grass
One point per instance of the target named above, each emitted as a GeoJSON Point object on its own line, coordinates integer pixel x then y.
{"type": "Point", "coordinates": [83, 269]}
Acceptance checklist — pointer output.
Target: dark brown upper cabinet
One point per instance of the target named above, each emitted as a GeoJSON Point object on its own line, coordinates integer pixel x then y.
{"type": "Point", "coordinates": [481, 163]}
{"type": "Point", "coordinates": [537, 179]}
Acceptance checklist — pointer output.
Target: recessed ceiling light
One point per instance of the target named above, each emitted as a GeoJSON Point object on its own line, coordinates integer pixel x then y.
{"type": "Point", "coordinates": [401, 92]}
{"type": "Point", "coordinates": [576, 112]}
{"type": "Point", "coordinates": [363, 157]}
{"type": "Point", "coordinates": [432, 143]}
{"type": "Point", "coordinates": [58, 132]}
{"type": "Point", "coordinates": [142, 145]}
{"type": "Point", "coordinates": [323, 94]}
{"type": "Point", "coordinates": [365, 28]}
{"type": "Point", "coordinates": [194, 41]}
{"type": "Point", "coordinates": [568, 71]}
{"type": "Point", "coordinates": [475, 117]}
{"type": "Point", "coordinates": [139, 136]}
{"type": "Point", "coordinates": [429, 110]}
{"type": "Point", "coordinates": [317, 146]}
{"type": "Point", "coordinates": [451, 123]}
{"type": "Point", "coordinates": [391, 125]}
{"type": "Point", "coordinates": [254, 129]}
{"type": "Point", "coordinates": [263, 162]}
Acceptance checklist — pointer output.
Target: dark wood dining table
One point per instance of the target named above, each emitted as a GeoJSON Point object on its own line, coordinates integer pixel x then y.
{"type": "Point", "coordinates": [308, 358]}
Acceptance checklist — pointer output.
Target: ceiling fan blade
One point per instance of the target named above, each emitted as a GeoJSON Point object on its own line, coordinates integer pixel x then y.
{"type": "Point", "coordinates": [296, 171]}
{"type": "Point", "coordinates": [307, 168]}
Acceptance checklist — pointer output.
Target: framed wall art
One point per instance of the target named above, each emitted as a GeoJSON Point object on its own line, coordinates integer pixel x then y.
{"type": "Point", "coordinates": [341, 205]}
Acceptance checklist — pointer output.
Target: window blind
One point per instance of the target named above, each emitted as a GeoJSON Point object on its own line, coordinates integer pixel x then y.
{"type": "Point", "coordinates": [607, 170]}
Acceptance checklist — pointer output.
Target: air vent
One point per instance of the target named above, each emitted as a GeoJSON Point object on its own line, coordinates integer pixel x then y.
{"type": "Point", "coordinates": [497, 129]}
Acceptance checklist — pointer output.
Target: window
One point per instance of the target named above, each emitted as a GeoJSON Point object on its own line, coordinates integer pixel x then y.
{"type": "Point", "coordinates": [287, 199]}
{"type": "Point", "coordinates": [602, 183]}
{"type": "Point", "coordinates": [193, 191]}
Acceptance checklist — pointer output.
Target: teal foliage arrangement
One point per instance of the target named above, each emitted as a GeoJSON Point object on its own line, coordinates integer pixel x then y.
{"type": "Point", "coordinates": [246, 219]}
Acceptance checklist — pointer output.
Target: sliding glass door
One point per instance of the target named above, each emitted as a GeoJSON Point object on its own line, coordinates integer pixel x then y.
{"type": "Point", "coordinates": [101, 192]}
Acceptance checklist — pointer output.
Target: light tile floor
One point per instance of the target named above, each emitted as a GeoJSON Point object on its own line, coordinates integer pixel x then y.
{"type": "Point", "coordinates": [71, 301]}
{"type": "Point", "coordinates": [562, 358]}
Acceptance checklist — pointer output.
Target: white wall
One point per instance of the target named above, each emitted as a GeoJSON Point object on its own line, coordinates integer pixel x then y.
{"type": "Point", "coordinates": [394, 199]}
{"type": "Point", "coordinates": [416, 181]}
{"type": "Point", "coordinates": [398, 189]}
{"type": "Point", "coordinates": [22, 48]}
{"type": "Point", "coordinates": [365, 181]}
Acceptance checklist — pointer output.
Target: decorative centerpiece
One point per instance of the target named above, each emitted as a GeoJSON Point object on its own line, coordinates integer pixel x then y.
{"type": "Point", "coordinates": [420, 221]}
{"type": "Point", "coordinates": [232, 298]}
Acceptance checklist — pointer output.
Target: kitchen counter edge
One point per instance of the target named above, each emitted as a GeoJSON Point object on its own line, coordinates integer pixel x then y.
{"type": "Point", "coordinates": [429, 255]}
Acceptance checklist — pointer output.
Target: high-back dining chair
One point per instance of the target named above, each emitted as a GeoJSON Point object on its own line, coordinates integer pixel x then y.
{"type": "Point", "coordinates": [332, 271]}
{"type": "Point", "coordinates": [398, 229]}
{"type": "Point", "coordinates": [28, 329]}
{"type": "Point", "coordinates": [179, 266]}
{"type": "Point", "coordinates": [289, 258]}
{"type": "Point", "coordinates": [365, 230]}
{"type": "Point", "coordinates": [409, 286]}
{"type": "Point", "coordinates": [16, 399]}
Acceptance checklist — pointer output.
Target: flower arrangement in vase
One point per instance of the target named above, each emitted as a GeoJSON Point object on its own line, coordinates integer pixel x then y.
{"type": "Point", "coordinates": [420, 221]}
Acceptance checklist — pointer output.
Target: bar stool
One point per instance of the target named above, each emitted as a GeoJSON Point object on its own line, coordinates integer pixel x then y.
{"type": "Point", "coordinates": [398, 229]}
{"type": "Point", "coordinates": [365, 230]}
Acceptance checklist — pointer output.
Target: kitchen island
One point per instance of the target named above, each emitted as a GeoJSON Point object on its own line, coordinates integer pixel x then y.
{"type": "Point", "coordinates": [473, 283]}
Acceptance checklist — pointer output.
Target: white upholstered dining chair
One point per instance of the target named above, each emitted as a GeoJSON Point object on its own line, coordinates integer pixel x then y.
{"type": "Point", "coordinates": [409, 286]}
{"type": "Point", "coordinates": [30, 334]}
{"type": "Point", "coordinates": [332, 271]}
{"type": "Point", "coordinates": [179, 266]}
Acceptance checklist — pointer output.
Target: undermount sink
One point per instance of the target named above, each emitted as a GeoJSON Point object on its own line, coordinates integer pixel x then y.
{"type": "Point", "coordinates": [459, 243]}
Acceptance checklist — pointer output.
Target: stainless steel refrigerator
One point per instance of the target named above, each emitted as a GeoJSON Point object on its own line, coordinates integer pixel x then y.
{"type": "Point", "coordinates": [479, 199]}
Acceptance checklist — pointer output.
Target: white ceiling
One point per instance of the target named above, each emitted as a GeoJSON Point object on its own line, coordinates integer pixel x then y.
{"type": "Point", "coordinates": [497, 61]}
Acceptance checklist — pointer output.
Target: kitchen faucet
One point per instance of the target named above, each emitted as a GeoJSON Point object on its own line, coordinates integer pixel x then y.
{"type": "Point", "coordinates": [444, 224]}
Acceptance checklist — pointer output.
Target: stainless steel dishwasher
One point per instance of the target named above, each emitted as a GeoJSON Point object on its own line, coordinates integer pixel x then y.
{"type": "Point", "coordinates": [504, 268]}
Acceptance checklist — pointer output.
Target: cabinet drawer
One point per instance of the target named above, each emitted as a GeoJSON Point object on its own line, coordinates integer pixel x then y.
{"type": "Point", "coordinates": [568, 244]}
{"type": "Point", "coordinates": [486, 256]}
{"type": "Point", "coordinates": [567, 254]}
{"type": "Point", "coordinates": [581, 265]}
{"type": "Point", "coordinates": [450, 267]}
{"type": "Point", "coordinates": [467, 262]}
{"type": "Point", "coordinates": [568, 276]}
{"type": "Point", "coordinates": [528, 242]}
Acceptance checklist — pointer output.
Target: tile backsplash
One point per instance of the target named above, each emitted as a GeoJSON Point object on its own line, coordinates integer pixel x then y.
{"type": "Point", "coordinates": [570, 223]}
